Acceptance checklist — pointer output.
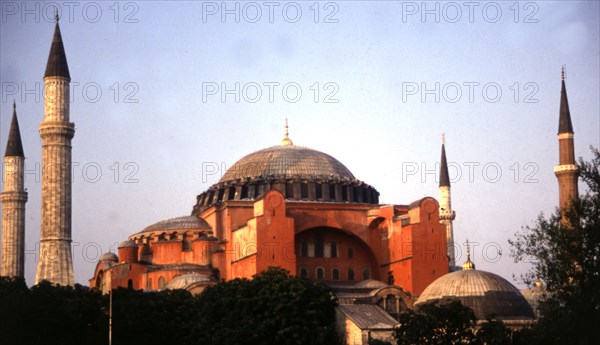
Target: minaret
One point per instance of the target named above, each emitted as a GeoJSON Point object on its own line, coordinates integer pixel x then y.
{"type": "Point", "coordinates": [446, 213]}
{"type": "Point", "coordinates": [567, 172]}
{"type": "Point", "coordinates": [56, 263]}
{"type": "Point", "coordinates": [13, 200]}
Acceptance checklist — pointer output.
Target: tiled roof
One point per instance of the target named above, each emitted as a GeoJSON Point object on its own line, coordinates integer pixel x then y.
{"type": "Point", "coordinates": [186, 222]}
{"type": "Point", "coordinates": [368, 316]}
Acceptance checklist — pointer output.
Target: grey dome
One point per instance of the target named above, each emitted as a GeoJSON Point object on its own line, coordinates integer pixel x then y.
{"type": "Point", "coordinates": [287, 161]}
{"type": "Point", "coordinates": [109, 256]}
{"type": "Point", "coordinates": [486, 293]}
{"type": "Point", "coordinates": [128, 244]}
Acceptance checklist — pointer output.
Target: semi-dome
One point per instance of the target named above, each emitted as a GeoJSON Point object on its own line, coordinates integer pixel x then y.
{"type": "Point", "coordinates": [187, 280]}
{"type": "Point", "coordinates": [128, 244]}
{"type": "Point", "coordinates": [486, 293]}
{"type": "Point", "coordinates": [299, 173]}
{"type": "Point", "coordinates": [179, 223]}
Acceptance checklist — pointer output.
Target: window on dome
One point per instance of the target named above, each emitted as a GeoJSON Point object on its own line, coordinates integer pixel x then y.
{"type": "Point", "coordinates": [244, 192]}
{"type": "Point", "coordinates": [334, 252]}
{"type": "Point", "coordinates": [289, 190]}
{"type": "Point", "coordinates": [304, 190]}
{"type": "Point", "coordinates": [304, 249]}
{"type": "Point", "coordinates": [319, 191]}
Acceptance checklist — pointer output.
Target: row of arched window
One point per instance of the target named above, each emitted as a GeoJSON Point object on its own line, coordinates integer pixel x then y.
{"type": "Point", "coordinates": [321, 249]}
{"type": "Point", "coordinates": [335, 274]}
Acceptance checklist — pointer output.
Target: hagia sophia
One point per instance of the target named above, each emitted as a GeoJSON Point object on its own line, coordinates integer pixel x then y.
{"type": "Point", "coordinates": [287, 206]}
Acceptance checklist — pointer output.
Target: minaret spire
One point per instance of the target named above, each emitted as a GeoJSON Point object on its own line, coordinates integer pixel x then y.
{"type": "Point", "coordinates": [446, 213]}
{"type": "Point", "coordinates": [286, 141]}
{"type": "Point", "coordinates": [56, 262]}
{"type": "Point", "coordinates": [566, 171]}
{"type": "Point", "coordinates": [13, 200]}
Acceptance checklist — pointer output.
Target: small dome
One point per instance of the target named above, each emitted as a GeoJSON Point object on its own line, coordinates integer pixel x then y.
{"type": "Point", "coordinates": [110, 257]}
{"type": "Point", "coordinates": [486, 293]}
{"type": "Point", "coordinates": [186, 222]}
{"type": "Point", "coordinates": [370, 284]}
{"type": "Point", "coordinates": [128, 244]}
{"type": "Point", "coordinates": [186, 280]}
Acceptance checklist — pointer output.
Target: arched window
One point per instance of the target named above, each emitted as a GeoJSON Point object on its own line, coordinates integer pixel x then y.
{"type": "Point", "coordinates": [335, 274]}
{"type": "Point", "coordinates": [161, 283]}
{"type": "Point", "coordinates": [350, 274]}
{"type": "Point", "coordinates": [320, 273]}
{"type": "Point", "coordinates": [366, 274]}
{"type": "Point", "coordinates": [130, 284]}
{"type": "Point", "coordinates": [149, 285]}
{"type": "Point", "coordinates": [334, 252]}
{"type": "Point", "coordinates": [304, 273]}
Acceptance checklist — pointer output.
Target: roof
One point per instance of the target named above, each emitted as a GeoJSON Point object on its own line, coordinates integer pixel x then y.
{"type": "Point", "coordinates": [109, 256]}
{"type": "Point", "coordinates": [186, 222]}
{"type": "Point", "coordinates": [564, 122]}
{"type": "Point", "coordinates": [288, 160]}
{"type": "Point", "coordinates": [57, 60]}
{"type": "Point", "coordinates": [368, 316]}
{"type": "Point", "coordinates": [485, 292]}
{"type": "Point", "coordinates": [14, 146]}
{"type": "Point", "coordinates": [128, 244]}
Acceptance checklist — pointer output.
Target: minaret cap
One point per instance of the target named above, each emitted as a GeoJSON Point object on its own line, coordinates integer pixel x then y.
{"type": "Point", "coordinates": [564, 122]}
{"type": "Point", "coordinates": [468, 265]}
{"type": "Point", "coordinates": [14, 146]}
{"type": "Point", "coordinates": [444, 176]}
{"type": "Point", "coordinates": [286, 139]}
{"type": "Point", "coordinates": [57, 60]}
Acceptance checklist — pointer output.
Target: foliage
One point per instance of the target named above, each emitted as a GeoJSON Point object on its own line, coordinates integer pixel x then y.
{"type": "Point", "coordinates": [272, 308]}
{"type": "Point", "coordinates": [379, 342]}
{"type": "Point", "coordinates": [565, 249]}
{"type": "Point", "coordinates": [437, 324]}
{"type": "Point", "coordinates": [494, 332]}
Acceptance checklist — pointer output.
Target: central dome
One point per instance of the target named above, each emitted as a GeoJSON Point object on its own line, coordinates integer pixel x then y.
{"type": "Point", "coordinates": [288, 161]}
{"type": "Point", "coordinates": [299, 173]}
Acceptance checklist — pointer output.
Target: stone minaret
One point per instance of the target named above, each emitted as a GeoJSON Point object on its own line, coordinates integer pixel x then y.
{"type": "Point", "coordinates": [567, 172]}
{"type": "Point", "coordinates": [446, 213]}
{"type": "Point", "coordinates": [13, 199]}
{"type": "Point", "coordinates": [56, 263]}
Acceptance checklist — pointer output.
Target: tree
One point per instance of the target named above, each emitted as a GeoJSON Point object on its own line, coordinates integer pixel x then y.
{"type": "Point", "coordinates": [437, 324]}
{"type": "Point", "coordinates": [271, 308]}
{"type": "Point", "coordinates": [565, 249]}
{"type": "Point", "coordinates": [494, 332]}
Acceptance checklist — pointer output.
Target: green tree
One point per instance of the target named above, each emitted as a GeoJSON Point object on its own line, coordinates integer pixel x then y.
{"type": "Point", "coordinates": [271, 308]}
{"type": "Point", "coordinates": [437, 324]}
{"type": "Point", "coordinates": [565, 249]}
{"type": "Point", "coordinates": [494, 332]}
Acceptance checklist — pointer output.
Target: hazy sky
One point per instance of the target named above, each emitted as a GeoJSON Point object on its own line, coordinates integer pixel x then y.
{"type": "Point", "coordinates": [165, 93]}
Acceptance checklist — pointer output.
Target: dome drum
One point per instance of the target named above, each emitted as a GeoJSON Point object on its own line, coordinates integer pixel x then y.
{"type": "Point", "coordinates": [300, 188]}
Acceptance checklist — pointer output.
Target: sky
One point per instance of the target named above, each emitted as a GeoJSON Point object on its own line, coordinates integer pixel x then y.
{"type": "Point", "coordinates": [166, 95]}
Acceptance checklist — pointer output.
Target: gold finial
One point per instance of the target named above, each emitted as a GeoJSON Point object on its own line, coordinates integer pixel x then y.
{"type": "Point", "coordinates": [468, 265]}
{"type": "Point", "coordinates": [443, 138]}
{"type": "Point", "coordinates": [563, 72]}
{"type": "Point", "coordinates": [286, 138]}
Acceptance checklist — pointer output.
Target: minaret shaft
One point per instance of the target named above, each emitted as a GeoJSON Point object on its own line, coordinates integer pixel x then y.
{"type": "Point", "coordinates": [446, 214]}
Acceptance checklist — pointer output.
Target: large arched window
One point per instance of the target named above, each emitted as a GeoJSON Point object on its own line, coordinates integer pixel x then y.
{"type": "Point", "coordinates": [350, 274]}
{"type": "Point", "coordinates": [320, 273]}
{"type": "Point", "coordinates": [304, 273]}
{"type": "Point", "coordinates": [335, 274]}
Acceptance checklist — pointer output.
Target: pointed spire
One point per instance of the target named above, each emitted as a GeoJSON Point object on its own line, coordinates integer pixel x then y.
{"type": "Point", "coordinates": [444, 177]}
{"type": "Point", "coordinates": [14, 146]}
{"type": "Point", "coordinates": [57, 60]}
{"type": "Point", "coordinates": [286, 138]}
{"type": "Point", "coordinates": [468, 265]}
{"type": "Point", "coordinates": [564, 123]}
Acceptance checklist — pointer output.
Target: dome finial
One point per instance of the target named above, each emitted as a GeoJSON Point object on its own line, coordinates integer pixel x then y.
{"type": "Point", "coordinates": [563, 72]}
{"type": "Point", "coordinates": [468, 265]}
{"type": "Point", "coordinates": [286, 139]}
{"type": "Point", "coordinates": [443, 138]}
